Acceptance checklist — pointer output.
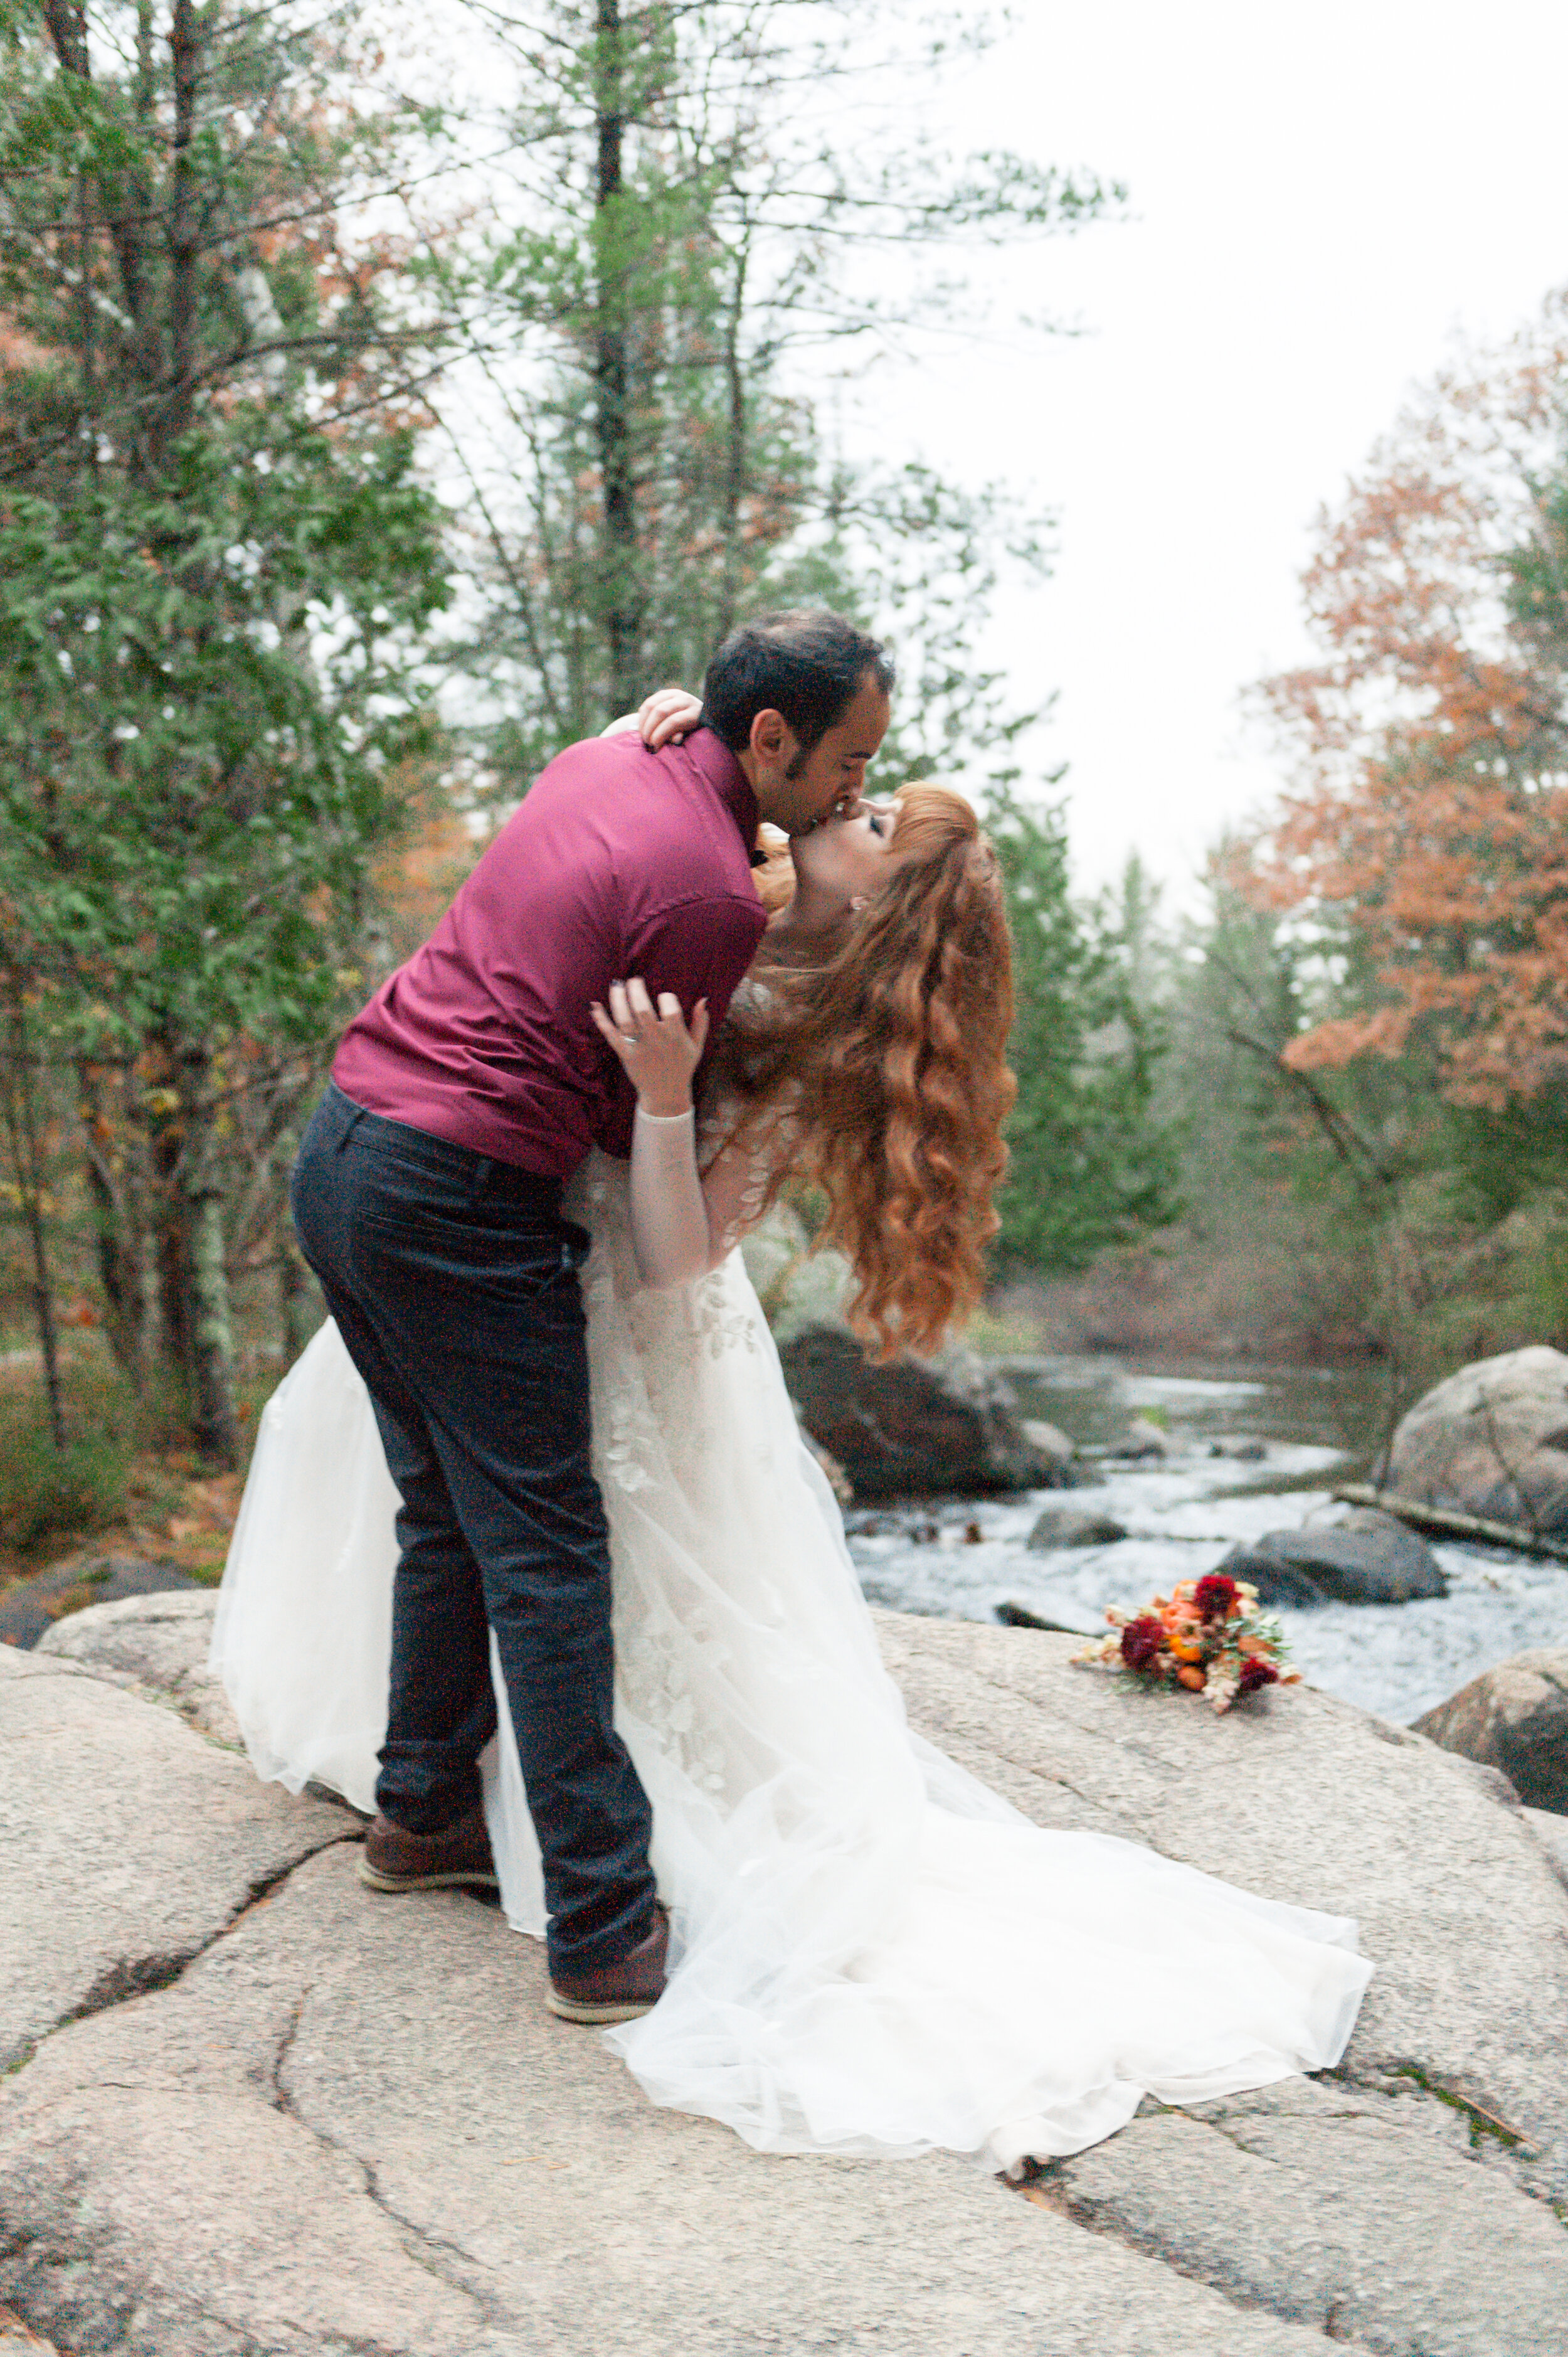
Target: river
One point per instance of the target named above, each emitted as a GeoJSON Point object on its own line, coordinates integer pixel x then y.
{"type": "Point", "coordinates": [957, 1558]}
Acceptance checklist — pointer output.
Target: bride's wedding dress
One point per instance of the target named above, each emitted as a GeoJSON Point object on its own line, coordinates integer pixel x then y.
{"type": "Point", "coordinates": [875, 1954]}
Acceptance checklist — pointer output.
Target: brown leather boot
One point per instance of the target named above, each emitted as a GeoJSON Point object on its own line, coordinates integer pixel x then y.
{"type": "Point", "coordinates": [459, 1855]}
{"type": "Point", "coordinates": [619, 1992]}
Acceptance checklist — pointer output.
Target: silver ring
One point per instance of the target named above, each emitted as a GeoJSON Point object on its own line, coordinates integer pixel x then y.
{"type": "Point", "coordinates": [632, 1040]}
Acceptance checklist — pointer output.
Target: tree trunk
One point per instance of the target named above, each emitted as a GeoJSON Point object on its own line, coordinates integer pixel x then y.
{"type": "Point", "coordinates": [298, 1302]}
{"type": "Point", "coordinates": [215, 1422]}
{"type": "Point", "coordinates": [27, 1160]}
{"type": "Point", "coordinates": [168, 1238]}
{"type": "Point", "coordinates": [734, 454]}
{"type": "Point", "coordinates": [128, 220]}
{"type": "Point", "coordinates": [183, 233]}
{"type": "Point", "coordinates": [119, 1226]}
{"type": "Point", "coordinates": [612, 373]}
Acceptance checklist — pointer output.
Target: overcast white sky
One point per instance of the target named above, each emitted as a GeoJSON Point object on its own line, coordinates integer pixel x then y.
{"type": "Point", "coordinates": [1322, 197]}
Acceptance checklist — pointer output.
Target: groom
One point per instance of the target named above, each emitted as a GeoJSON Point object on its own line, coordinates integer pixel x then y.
{"type": "Point", "coordinates": [427, 1198]}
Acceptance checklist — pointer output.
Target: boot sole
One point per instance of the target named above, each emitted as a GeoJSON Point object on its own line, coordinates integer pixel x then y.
{"type": "Point", "coordinates": [572, 2008]}
{"type": "Point", "coordinates": [374, 1880]}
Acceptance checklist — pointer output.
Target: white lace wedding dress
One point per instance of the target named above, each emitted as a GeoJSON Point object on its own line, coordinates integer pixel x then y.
{"type": "Point", "coordinates": [875, 1954]}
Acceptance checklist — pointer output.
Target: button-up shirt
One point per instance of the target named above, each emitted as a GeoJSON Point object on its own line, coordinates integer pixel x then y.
{"type": "Point", "coordinates": [619, 862]}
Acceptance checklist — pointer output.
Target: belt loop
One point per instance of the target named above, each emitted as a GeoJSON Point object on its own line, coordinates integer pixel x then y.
{"type": "Point", "coordinates": [481, 1179]}
{"type": "Point", "coordinates": [359, 1112]}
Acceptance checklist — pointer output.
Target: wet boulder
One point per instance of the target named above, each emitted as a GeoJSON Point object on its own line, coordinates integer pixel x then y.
{"type": "Point", "coordinates": [1280, 1585]}
{"type": "Point", "coordinates": [1071, 1526]}
{"type": "Point", "coordinates": [914, 1426]}
{"type": "Point", "coordinates": [1065, 1619]}
{"type": "Point", "coordinates": [1050, 1440]}
{"type": "Point", "coordinates": [1371, 1560]}
{"type": "Point", "coordinates": [1141, 1441]}
{"type": "Point", "coordinates": [1513, 1716]}
{"type": "Point", "coordinates": [1491, 1441]}
{"type": "Point", "coordinates": [30, 1609]}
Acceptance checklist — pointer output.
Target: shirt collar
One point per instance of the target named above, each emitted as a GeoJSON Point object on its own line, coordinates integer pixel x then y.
{"type": "Point", "coordinates": [713, 761]}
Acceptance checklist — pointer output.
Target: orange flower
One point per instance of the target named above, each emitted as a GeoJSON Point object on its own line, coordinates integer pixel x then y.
{"type": "Point", "coordinates": [1193, 1678]}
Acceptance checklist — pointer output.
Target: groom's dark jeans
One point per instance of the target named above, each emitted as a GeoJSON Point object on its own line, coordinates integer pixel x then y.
{"type": "Point", "coordinates": [454, 1283]}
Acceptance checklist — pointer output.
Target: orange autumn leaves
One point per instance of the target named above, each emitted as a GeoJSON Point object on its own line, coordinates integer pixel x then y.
{"type": "Point", "coordinates": [1428, 826]}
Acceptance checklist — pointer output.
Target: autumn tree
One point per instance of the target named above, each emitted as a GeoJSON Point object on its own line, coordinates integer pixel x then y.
{"type": "Point", "coordinates": [1425, 836]}
{"type": "Point", "coordinates": [1385, 973]}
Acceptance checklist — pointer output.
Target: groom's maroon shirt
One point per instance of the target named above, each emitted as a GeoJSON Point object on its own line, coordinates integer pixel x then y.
{"type": "Point", "coordinates": [621, 862]}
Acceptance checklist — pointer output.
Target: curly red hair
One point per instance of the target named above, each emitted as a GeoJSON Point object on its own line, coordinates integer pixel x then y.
{"type": "Point", "coordinates": [893, 1055]}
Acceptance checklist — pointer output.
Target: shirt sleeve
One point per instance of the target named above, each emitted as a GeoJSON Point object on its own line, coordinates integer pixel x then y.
{"type": "Point", "coordinates": [698, 949]}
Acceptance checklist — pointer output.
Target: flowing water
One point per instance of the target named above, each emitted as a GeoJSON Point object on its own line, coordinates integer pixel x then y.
{"type": "Point", "coordinates": [957, 1558]}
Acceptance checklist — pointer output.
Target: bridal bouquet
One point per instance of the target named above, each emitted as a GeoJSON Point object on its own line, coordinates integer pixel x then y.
{"type": "Point", "coordinates": [1207, 1635]}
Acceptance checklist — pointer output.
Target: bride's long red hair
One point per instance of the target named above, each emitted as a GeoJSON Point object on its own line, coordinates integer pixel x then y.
{"type": "Point", "coordinates": [892, 1058]}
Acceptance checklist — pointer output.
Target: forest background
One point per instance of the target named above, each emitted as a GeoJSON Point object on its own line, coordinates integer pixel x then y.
{"type": "Point", "coordinates": [366, 435]}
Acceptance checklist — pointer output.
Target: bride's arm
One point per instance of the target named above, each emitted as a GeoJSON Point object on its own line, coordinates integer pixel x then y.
{"type": "Point", "coordinates": [664, 717]}
{"type": "Point", "coordinates": [683, 1222]}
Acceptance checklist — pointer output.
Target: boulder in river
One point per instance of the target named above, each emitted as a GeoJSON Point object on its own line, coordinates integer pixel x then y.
{"type": "Point", "coordinates": [914, 1427]}
{"type": "Point", "coordinates": [1491, 1441]}
{"type": "Point", "coordinates": [1142, 1440]}
{"type": "Point", "coordinates": [1050, 1440]}
{"type": "Point", "coordinates": [1373, 1560]}
{"type": "Point", "coordinates": [1513, 1716]}
{"type": "Point", "coordinates": [1072, 1527]}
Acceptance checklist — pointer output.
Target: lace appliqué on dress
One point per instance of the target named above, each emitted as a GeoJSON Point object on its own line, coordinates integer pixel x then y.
{"type": "Point", "coordinates": [650, 1667]}
{"type": "Point", "coordinates": [740, 1161]}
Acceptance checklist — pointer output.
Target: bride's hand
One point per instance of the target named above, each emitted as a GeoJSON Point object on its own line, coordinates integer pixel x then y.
{"type": "Point", "coordinates": [656, 1050]}
{"type": "Point", "coordinates": [667, 716]}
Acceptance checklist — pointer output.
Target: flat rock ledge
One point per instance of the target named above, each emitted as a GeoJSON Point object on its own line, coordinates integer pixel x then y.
{"type": "Point", "coordinates": [254, 2110]}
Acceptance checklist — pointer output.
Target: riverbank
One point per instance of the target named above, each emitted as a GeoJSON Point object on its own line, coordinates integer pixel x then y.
{"type": "Point", "coordinates": [1273, 1301]}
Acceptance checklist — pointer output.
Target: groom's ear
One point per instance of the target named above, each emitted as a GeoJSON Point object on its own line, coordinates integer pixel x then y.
{"type": "Point", "coordinates": [769, 735]}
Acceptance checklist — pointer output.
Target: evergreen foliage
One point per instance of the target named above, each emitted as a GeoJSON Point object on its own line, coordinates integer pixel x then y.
{"type": "Point", "coordinates": [1092, 1165]}
{"type": "Point", "coordinates": [213, 558]}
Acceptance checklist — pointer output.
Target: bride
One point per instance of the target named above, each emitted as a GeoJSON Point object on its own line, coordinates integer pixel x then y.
{"type": "Point", "coordinates": [872, 1953]}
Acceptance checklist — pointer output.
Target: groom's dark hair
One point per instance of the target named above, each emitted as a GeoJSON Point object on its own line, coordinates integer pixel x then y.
{"type": "Point", "coordinates": [806, 665]}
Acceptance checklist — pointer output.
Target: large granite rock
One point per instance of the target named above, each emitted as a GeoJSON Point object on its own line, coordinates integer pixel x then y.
{"type": "Point", "coordinates": [126, 1844]}
{"type": "Point", "coordinates": [1514, 1718]}
{"type": "Point", "coordinates": [1371, 1560]}
{"type": "Point", "coordinates": [347, 2124]}
{"type": "Point", "coordinates": [154, 1644]}
{"type": "Point", "coordinates": [1492, 1440]}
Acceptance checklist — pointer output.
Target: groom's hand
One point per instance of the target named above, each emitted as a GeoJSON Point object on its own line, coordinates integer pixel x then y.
{"type": "Point", "coordinates": [654, 1046]}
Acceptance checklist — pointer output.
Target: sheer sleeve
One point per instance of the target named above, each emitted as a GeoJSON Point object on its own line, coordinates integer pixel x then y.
{"type": "Point", "coordinates": [683, 1223]}
{"type": "Point", "coordinates": [739, 1168]}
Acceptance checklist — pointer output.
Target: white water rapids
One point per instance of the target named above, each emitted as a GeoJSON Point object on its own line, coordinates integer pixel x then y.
{"type": "Point", "coordinates": [1397, 1660]}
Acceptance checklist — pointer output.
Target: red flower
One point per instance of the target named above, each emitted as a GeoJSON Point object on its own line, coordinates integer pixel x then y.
{"type": "Point", "coordinates": [1214, 1594]}
{"type": "Point", "coordinates": [1256, 1673]}
{"type": "Point", "coordinates": [1141, 1641]}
